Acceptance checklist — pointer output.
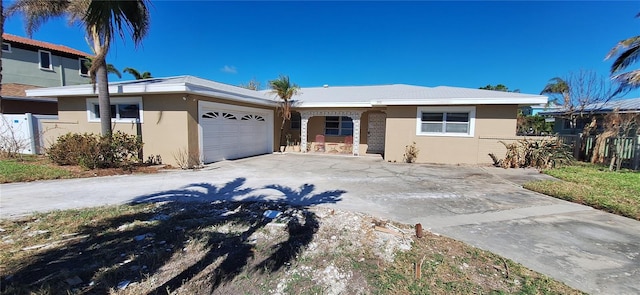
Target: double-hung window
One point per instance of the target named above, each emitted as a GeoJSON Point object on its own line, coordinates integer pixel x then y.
{"type": "Point", "coordinates": [45, 60]}
{"type": "Point", "coordinates": [338, 126]}
{"type": "Point", "coordinates": [122, 109]}
{"type": "Point", "coordinates": [446, 121]}
{"type": "Point", "coordinates": [84, 67]}
{"type": "Point", "coordinates": [6, 47]}
{"type": "Point", "coordinates": [296, 120]}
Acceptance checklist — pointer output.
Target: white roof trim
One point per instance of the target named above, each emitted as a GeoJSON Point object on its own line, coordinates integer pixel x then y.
{"type": "Point", "coordinates": [338, 97]}
{"type": "Point", "coordinates": [459, 101]}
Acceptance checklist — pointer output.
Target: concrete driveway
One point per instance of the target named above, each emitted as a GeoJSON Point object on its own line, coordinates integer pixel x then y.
{"type": "Point", "coordinates": [588, 249]}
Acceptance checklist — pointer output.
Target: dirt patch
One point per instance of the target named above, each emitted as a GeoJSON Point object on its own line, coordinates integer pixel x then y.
{"type": "Point", "coordinates": [243, 248]}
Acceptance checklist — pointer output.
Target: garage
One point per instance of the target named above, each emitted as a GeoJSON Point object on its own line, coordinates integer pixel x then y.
{"type": "Point", "coordinates": [230, 132]}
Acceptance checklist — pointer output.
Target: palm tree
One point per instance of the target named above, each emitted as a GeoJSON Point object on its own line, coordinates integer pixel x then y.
{"type": "Point", "coordinates": [136, 74]}
{"type": "Point", "coordinates": [111, 69]}
{"type": "Point", "coordinates": [102, 20]}
{"type": "Point", "coordinates": [560, 87]}
{"type": "Point", "coordinates": [627, 52]}
{"type": "Point", "coordinates": [284, 89]}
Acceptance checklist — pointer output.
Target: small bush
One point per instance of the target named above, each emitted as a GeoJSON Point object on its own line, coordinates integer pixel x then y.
{"type": "Point", "coordinates": [93, 151]}
{"type": "Point", "coordinates": [546, 153]}
{"type": "Point", "coordinates": [411, 153]}
{"type": "Point", "coordinates": [186, 160]}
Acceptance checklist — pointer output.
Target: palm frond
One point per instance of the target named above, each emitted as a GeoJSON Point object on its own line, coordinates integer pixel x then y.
{"type": "Point", "coordinates": [627, 57]}
{"type": "Point", "coordinates": [37, 12]}
{"type": "Point", "coordinates": [627, 81]}
{"type": "Point", "coordinates": [117, 17]}
{"type": "Point", "coordinates": [556, 85]}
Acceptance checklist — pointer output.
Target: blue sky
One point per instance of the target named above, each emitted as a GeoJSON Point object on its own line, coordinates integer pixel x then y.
{"type": "Point", "coordinates": [466, 44]}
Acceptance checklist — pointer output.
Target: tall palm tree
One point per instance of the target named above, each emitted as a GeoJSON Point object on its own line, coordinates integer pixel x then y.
{"type": "Point", "coordinates": [627, 52]}
{"type": "Point", "coordinates": [285, 90]}
{"type": "Point", "coordinates": [560, 87]}
{"type": "Point", "coordinates": [137, 75]}
{"type": "Point", "coordinates": [102, 20]}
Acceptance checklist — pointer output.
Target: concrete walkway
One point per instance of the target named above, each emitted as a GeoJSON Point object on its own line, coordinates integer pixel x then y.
{"type": "Point", "coordinates": [486, 207]}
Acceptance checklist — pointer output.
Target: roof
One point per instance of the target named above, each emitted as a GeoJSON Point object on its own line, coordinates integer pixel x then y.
{"type": "Point", "coordinates": [178, 84]}
{"type": "Point", "coordinates": [402, 94]}
{"type": "Point", "coordinates": [43, 45]}
{"type": "Point", "coordinates": [631, 105]}
{"type": "Point", "coordinates": [347, 96]}
{"type": "Point", "coordinates": [15, 89]}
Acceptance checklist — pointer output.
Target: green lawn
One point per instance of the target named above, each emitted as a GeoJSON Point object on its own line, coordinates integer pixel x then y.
{"type": "Point", "coordinates": [595, 186]}
{"type": "Point", "coordinates": [12, 170]}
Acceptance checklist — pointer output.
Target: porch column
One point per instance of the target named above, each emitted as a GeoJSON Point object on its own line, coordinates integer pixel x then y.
{"type": "Point", "coordinates": [355, 117]}
{"type": "Point", "coordinates": [304, 121]}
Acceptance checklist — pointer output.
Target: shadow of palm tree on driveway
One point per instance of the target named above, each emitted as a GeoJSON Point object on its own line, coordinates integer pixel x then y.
{"type": "Point", "coordinates": [134, 247]}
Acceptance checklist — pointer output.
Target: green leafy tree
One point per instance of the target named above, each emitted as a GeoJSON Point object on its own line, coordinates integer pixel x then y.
{"type": "Point", "coordinates": [102, 21]}
{"type": "Point", "coordinates": [137, 75]}
{"type": "Point", "coordinates": [499, 87]}
{"type": "Point", "coordinates": [285, 90]}
{"type": "Point", "coordinates": [626, 53]}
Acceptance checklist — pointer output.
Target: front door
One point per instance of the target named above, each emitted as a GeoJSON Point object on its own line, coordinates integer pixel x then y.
{"type": "Point", "coordinates": [375, 132]}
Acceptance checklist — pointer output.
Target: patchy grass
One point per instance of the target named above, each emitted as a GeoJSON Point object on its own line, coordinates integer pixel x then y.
{"type": "Point", "coordinates": [595, 186]}
{"type": "Point", "coordinates": [29, 169]}
{"type": "Point", "coordinates": [229, 248]}
{"type": "Point", "coordinates": [32, 168]}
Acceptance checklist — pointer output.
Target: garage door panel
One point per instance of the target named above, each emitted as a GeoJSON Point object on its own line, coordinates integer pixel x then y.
{"type": "Point", "coordinates": [231, 132]}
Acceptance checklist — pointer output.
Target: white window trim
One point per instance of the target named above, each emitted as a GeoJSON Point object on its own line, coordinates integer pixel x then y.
{"type": "Point", "coordinates": [469, 109]}
{"type": "Point", "coordinates": [80, 60]}
{"type": "Point", "coordinates": [9, 45]}
{"type": "Point", "coordinates": [91, 116]}
{"type": "Point", "coordinates": [50, 68]}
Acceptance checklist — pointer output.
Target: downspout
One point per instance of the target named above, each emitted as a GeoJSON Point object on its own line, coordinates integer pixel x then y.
{"type": "Point", "coordinates": [62, 77]}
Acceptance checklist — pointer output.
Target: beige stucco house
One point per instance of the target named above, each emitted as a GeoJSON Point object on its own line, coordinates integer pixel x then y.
{"type": "Point", "coordinates": [217, 121]}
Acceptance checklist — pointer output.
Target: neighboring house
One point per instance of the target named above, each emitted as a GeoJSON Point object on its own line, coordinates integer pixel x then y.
{"type": "Point", "coordinates": [29, 64]}
{"type": "Point", "coordinates": [539, 108]}
{"type": "Point", "coordinates": [565, 125]}
{"type": "Point", "coordinates": [217, 121]}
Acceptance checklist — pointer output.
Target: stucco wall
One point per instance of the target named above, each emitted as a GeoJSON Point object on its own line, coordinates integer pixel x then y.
{"type": "Point", "coordinates": [169, 126]}
{"type": "Point", "coordinates": [22, 66]}
{"type": "Point", "coordinates": [493, 123]}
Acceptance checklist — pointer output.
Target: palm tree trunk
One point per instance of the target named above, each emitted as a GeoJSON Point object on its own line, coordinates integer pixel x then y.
{"type": "Point", "coordinates": [281, 134]}
{"type": "Point", "coordinates": [103, 100]}
{"type": "Point", "coordinates": [103, 83]}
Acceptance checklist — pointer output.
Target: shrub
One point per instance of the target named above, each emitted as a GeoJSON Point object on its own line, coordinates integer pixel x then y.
{"type": "Point", "coordinates": [93, 151]}
{"type": "Point", "coordinates": [411, 153]}
{"type": "Point", "coordinates": [186, 160]}
{"type": "Point", "coordinates": [546, 153]}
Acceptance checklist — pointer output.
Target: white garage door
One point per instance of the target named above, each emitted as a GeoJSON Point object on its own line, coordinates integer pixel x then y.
{"type": "Point", "coordinates": [232, 132]}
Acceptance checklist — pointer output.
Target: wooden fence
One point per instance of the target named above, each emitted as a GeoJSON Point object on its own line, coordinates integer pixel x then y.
{"type": "Point", "coordinates": [630, 149]}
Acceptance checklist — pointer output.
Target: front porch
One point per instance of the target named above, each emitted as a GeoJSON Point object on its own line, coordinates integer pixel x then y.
{"type": "Point", "coordinates": [338, 136]}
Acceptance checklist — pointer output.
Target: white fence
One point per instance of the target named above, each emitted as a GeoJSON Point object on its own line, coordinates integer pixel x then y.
{"type": "Point", "coordinates": [25, 130]}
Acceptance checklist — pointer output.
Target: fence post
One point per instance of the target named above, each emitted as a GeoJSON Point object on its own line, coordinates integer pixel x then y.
{"type": "Point", "coordinates": [636, 153]}
{"type": "Point", "coordinates": [32, 132]}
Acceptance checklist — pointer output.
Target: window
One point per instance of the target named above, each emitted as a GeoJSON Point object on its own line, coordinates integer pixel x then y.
{"type": "Point", "coordinates": [45, 60]}
{"type": "Point", "coordinates": [339, 126]}
{"type": "Point", "coordinates": [295, 120]}
{"type": "Point", "coordinates": [84, 67]}
{"type": "Point", "coordinates": [122, 109]}
{"type": "Point", "coordinates": [446, 121]}
{"type": "Point", "coordinates": [6, 47]}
